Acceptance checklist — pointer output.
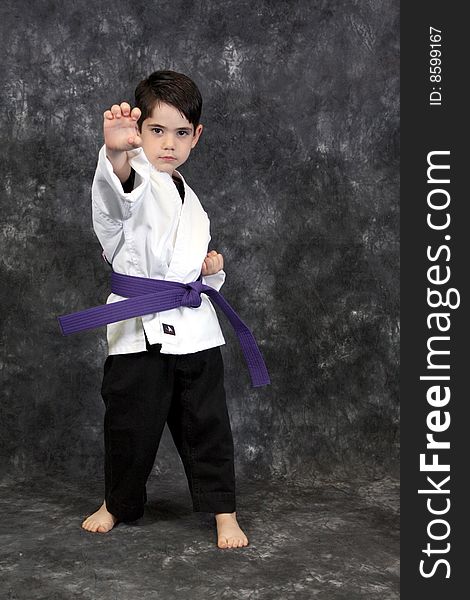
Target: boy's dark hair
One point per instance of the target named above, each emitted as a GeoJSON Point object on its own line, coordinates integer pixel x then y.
{"type": "Point", "coordinates": [172, 88]}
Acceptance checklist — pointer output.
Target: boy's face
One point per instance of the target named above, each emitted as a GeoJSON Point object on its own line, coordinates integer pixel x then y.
{"type": "Point", "coordinates": [167, 133]}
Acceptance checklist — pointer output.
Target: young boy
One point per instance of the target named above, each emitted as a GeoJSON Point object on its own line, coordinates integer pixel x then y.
{"type": "Point", "coordinates": [167, 366]}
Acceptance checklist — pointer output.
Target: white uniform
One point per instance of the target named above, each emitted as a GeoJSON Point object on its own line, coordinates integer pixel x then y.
{"type": "Point", "coordinates": [150, 232]}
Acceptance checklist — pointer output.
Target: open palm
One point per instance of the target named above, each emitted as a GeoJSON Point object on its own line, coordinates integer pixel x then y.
{"type": "Point", "coordinates": [120, 128]}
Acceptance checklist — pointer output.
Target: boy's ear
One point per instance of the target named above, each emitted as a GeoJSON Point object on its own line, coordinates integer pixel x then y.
{"type": "Point", "coordinates": [197, 134]}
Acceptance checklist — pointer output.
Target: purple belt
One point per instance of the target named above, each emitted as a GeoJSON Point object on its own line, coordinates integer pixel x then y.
{"type": "Point", "coordinates": [146, 296]}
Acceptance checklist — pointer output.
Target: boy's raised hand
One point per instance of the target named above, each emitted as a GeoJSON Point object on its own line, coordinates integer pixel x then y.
{"type": "Point", "coordinates": [213, 263]}
{"type": "Point", "coordinates": [120, 128]}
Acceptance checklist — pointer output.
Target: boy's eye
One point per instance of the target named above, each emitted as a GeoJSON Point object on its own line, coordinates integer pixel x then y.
{"type": "Point", "coordinates": [158, 130]}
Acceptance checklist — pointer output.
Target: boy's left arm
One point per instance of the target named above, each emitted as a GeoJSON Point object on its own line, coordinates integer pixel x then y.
{"type": "Point", "coordinates": [212, 271]}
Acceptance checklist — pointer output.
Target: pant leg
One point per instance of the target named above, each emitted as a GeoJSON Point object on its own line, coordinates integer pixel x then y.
{"type": "Point", "coordinates": [200, 426]}
{"type": "Point", "coordinates": [137, 389]}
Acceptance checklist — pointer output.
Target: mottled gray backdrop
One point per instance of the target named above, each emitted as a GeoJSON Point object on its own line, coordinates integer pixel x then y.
{"type": "Point", "coordinates": [298, 169]}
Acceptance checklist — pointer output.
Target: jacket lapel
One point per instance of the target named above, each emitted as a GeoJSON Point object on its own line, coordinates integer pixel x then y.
{"type": "Point", "coordinates": [192, 239]}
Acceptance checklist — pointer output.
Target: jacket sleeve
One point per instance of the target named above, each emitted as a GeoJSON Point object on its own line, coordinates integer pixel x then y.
{"type": "Point", "coordinates": [215, 281]}
{"type": "Point", "coordinates": [108, 195]}
{"type": "Point", "coordinates": [111, 205]}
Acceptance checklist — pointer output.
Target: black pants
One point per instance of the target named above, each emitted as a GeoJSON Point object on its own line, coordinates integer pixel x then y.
{"type": "Point", "coordinates": [141, 392]}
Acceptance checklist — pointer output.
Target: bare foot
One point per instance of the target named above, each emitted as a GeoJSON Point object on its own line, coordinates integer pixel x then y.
{"type": "Point", "coordinates": [229, 534]}
{"type": "Point", "coordinates": [100, 521]}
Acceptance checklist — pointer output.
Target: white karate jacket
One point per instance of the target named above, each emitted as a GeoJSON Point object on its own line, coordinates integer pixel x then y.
{"type": "Point", "coordinates": [150, 232]}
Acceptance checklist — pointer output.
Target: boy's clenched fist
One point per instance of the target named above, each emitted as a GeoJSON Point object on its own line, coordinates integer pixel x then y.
{"type": "Point", "coordinates": [213, 263]}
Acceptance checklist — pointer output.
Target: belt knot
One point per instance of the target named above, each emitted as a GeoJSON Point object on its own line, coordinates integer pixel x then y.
{"type": "Point", "coordinates": [192, 297]}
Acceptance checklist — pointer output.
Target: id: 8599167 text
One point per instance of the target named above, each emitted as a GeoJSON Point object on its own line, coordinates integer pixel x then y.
{"type": "Point", "coordinates": [435, 66]}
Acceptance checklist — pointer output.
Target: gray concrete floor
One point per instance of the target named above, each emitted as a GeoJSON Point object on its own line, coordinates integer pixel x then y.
{"type": "Point", "coordinates": [329, 541]}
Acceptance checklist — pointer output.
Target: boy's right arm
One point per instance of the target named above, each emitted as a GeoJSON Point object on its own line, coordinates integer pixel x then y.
{"type": "Point", "coordinates": [111, 204]}
{"type": "Point", "coordinates": [121, 136]}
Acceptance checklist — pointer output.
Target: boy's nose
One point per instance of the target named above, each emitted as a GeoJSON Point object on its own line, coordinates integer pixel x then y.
{"type": "Point", "coordinates": [168, 143]}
